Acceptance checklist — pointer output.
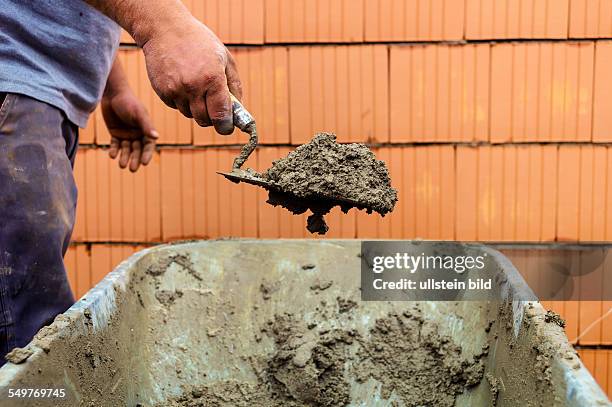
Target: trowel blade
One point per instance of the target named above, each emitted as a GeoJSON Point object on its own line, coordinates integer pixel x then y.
{"type": "Point", "coordinates": [239, 176]}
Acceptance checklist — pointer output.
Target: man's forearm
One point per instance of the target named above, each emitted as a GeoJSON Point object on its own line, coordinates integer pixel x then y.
{"type": "Point", "coordinates": [144, 19]}
{"type": "Point", "coordinates": [117, 81]}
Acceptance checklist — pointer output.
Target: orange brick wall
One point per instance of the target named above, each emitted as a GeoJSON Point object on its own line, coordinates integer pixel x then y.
{"type": "Point", "coordinates": [88, 264]}
{"type": "Point", "coordinates": [335, 21]}
{"type": "Point", "coordinates": [471, 162]}
{"type": "Point", "coordinates": [599, 363]}
{"type": "Point", "coordinates": [493, 115]}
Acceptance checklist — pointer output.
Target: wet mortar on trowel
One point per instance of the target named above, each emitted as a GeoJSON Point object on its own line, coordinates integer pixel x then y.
{"type": "Point", "coordinates": [322, 174]}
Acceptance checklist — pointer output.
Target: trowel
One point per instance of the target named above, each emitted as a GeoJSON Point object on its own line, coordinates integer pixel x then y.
{"type": "Point", "coordinates": [245, 122]}
{"type": "Point", "coordinates": [319, 203]}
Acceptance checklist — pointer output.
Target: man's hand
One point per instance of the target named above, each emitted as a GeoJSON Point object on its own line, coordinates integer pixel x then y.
{"type": "Point", "coordinates": [132, 132]}
{"type": "Point", "coordinates": [189, 67]}
{"type": "Point", "coordinates": [195, 79]}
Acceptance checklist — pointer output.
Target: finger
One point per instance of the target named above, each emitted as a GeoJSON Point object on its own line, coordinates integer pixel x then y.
{"type": "Point", "coordinates": [168, 101]}
{"type": "Point", "coordinates": [125, 153]}
{"type": "Point", "coordinates": [147, 151]}
{"type": "Point", "coordinates": [114, 148]}
{"type": "Point", "coordinates": [132, 133]}
{"type": "Point", "coordinates": [219, 107]}
{"type": "Point", "coordinates": [233, 78]}
{"type": "Point", "coordinates": [200, 113]}
{"type": "Point", "coordinates": [146, 124]}
{"type": "Point", "coordinates": [183, 106]}
{"type": "Point", "coordinates": [135, 155]}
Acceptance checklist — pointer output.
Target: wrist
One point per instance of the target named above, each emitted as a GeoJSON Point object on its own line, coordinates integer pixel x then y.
{"type": "Point", "coordinates": [114, 88]}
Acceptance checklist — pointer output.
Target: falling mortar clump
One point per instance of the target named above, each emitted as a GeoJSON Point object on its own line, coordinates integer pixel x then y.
{"type": "Point", "coordinates": [323, 174]}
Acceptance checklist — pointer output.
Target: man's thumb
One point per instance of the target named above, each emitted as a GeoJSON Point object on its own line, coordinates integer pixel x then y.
{"type": "Point", "coordinates": [146, 125]}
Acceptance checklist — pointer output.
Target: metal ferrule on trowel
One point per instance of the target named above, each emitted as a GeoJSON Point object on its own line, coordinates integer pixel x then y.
{"type": "Point", "coordinates": [242, 118]}
{"type": "Point", "coordinates": [244, 121]}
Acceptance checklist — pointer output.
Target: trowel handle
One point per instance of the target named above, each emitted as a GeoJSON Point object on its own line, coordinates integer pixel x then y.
{"type": "Point", "coordinates": [242, 118]}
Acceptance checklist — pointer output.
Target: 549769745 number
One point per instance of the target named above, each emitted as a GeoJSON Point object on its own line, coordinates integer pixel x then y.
{"type": "Point", "coordinates": [35, 393]}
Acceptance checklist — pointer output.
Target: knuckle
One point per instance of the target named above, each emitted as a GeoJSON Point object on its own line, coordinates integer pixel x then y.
{"type": "Point", "coordinates": [222, 54]}
{"type": "Point", "coordinates": [212, 79]}
{"type": "Point", "coordinates": [170, 89]}
{"type": "Point", "coordinates": [198, 108]}
{"type": "Point", "coordinates": [236, 84]}
{"type": "Point", "coordinates": [190, 86]}
{"type": "Point", "coordinates": [218, 114]}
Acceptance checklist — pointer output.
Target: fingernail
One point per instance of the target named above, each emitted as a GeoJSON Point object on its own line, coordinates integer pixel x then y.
{"type": "Point", "coordinates": [154, 134]}
{"type": "Point", "coordinates": [225, 127]}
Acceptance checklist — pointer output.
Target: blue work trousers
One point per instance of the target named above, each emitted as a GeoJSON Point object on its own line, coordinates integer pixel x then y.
{"type": "Point", "coordinates": [37, 209]}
